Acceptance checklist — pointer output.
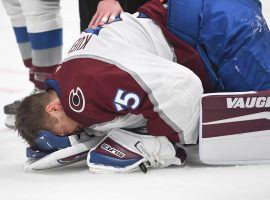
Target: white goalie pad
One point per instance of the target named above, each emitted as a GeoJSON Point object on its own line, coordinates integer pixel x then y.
{"type": "Point", "coordinates": [235, 128]}
{"type": "Point", "coordinates": [76, 152]}
{"type": "Point", "coordinates": [122, 151]}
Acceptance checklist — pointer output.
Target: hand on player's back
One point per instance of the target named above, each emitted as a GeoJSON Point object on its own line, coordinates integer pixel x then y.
{"type": "Point", "coordinates": [107, 10]}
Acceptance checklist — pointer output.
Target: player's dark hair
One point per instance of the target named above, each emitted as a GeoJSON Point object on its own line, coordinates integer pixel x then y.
{"type": "Point", "coordinates": [31, 116]}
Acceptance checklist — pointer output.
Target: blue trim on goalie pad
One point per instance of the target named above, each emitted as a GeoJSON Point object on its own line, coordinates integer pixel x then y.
{"type": "Point", "coordinates": [46, 40]}
{"type": "Point", "coordinates": [30, 153]}
{"type": "Point", "coordinates": [98, 158]}
{"type": "Point", "coordinates": [48, 141]}
{"type": "Point", "coordinates": [21, 34]}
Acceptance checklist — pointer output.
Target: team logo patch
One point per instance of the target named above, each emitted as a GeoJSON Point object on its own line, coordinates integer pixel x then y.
{"type": "Point", "coordinates": [76, 100]}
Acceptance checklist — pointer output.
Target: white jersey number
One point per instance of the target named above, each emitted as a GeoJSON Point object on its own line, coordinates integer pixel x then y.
{"type": "Point", "coordinates": [124, 100]}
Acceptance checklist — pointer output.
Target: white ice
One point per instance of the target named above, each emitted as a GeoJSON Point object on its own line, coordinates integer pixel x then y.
{"type": "Point", "coordinates": [194, 181]}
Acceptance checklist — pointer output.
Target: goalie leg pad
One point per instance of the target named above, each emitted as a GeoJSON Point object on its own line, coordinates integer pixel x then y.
{"type": "Point", "coordinates": [122, 151]}
{"type": "Point", "coordinates": [235, 127]}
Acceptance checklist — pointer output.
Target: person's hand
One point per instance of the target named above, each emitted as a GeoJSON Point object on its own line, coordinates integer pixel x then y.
{"type": "Point", "coordinates": [107, 10]}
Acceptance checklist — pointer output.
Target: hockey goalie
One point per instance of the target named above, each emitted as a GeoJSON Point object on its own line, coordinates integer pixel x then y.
{"type": "Point", "coordinates": [134, 88]}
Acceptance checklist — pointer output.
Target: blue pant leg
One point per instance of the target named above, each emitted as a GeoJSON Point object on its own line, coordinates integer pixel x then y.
{"type": "Point", "coordinates": [236, 39]}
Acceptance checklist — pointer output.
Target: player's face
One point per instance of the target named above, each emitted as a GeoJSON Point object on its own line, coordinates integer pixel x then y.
{"type": "Point", "coordinates": [66, 126]}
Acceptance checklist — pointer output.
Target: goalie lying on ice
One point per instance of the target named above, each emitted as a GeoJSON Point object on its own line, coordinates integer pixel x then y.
{"type": "Point", "coordinates": [124, 75]}
{"type": "Point", "coordinates": [118, 151]}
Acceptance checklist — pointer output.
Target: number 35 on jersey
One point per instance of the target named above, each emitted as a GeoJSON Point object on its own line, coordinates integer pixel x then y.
{"type": "Point", "coordinates": [126, 100]}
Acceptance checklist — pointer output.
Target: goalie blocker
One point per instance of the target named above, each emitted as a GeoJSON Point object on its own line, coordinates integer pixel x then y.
{"type": "Point", "coordinates": [235, 128]}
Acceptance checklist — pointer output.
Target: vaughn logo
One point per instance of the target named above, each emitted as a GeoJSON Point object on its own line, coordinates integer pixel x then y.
{"type": "Point", "coordinates": [248, 102]}
{"type": "Point", "coordinates": [112, 150]}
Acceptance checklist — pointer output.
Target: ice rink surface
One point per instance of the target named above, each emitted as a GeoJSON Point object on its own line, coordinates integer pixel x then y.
{"type": "Point", "coordinates": [194, 181]}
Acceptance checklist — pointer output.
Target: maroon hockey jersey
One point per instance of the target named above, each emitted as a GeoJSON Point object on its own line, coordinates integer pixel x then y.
{"type": "Point", "coordinates": [125, 75]}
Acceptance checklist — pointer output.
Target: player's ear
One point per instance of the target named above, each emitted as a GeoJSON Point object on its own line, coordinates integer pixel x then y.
{"type": "Point", "coordinates": [54, 106]}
